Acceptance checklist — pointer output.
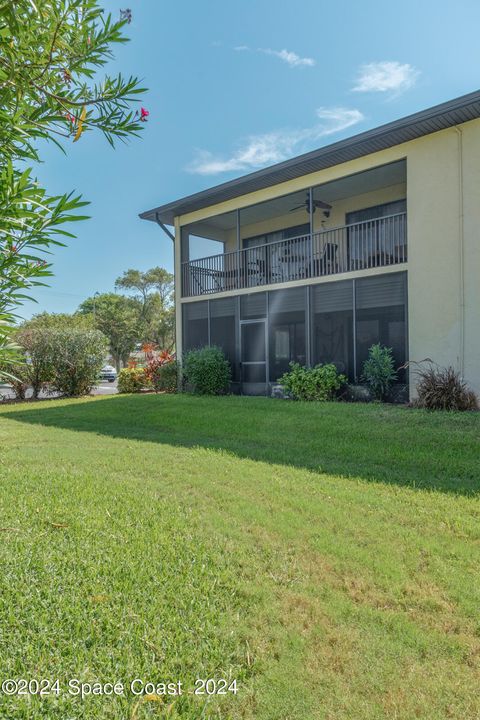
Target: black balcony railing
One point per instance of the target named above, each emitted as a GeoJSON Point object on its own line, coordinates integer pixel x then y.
{"type": "Point", "coordinates": [370, 244]}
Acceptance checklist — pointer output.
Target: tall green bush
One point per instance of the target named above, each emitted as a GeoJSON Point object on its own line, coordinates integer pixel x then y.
{"type": "Point", "coordinates": [379, 371]}
{"type": "Point", "coordinates": [15, 373]}
{"type": "Point", "coordinates": [30, 365]}
{"type": "Point", "coordinates": [77, 358]}
{"type": "Point", "coordinates": [38, 369]}
{"type": "Point", "coordinates": [207, 371]}
{"type": "Point", "coordinates": [321, 382]}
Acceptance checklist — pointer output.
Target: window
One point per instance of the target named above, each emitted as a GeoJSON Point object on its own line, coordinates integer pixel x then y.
{"type": "Point", "coordinates": [195, 325]}
{"type": "Point", "coordinates": [381, 317]}
{"type": "Point", "coordinates": [223, 324]}
{"type": "Point", "coordinates": [332, 325]}
{"type": "Point", "coordinates": [286, 313]}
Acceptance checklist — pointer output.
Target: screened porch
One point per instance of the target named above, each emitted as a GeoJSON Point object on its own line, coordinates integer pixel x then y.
{"type": "Point", "coordinates": [352, 224]}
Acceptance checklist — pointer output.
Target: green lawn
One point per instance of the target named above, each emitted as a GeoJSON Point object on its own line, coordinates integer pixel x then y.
{"type": "Point", "coordinates": [326, 556]}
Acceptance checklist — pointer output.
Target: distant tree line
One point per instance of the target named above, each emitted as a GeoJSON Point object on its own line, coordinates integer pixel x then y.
{"type": "Point", "coordinates": [143, 313]}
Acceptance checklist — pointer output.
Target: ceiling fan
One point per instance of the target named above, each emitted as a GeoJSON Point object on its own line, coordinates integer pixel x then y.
{"type": "Point", "coordinates": [316, 204]}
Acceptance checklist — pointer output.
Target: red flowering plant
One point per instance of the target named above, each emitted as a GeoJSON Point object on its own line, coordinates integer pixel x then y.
{"type": "Point", "coordinates": [149, 351]}
{"type": "Point", "coordinates": [161, 372]}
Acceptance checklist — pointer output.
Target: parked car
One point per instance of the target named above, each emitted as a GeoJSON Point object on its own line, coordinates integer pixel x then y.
{"type": "Point", "coordinates": [109, 373]}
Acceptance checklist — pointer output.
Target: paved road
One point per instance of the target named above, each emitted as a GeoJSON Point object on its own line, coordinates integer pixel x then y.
{"type": "Point", "coordinates": [103, 388]}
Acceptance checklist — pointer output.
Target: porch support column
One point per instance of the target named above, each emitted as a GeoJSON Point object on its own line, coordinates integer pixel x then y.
{"type": "Point", "coordinates": [354, 329]}
{"type": "Point", "coordinates": [310, 244]}
{"type": "Point", "coordinates": [178, 295]}
{"type": "Point", "coordinates": [308, 328]}
{"type": "Point", "coordinates": [238, 228]}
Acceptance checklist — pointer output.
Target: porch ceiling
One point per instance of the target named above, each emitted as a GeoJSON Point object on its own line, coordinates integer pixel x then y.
{"type": "Point", "coordinates": [357, 184]}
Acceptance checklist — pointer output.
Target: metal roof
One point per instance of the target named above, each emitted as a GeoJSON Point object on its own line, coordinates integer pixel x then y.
{"type": "Point", "coordinates": [448, 114]}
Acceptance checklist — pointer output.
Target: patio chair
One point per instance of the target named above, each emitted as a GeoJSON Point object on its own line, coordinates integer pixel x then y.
{"type": "Point", "coordinates": [328, 263]}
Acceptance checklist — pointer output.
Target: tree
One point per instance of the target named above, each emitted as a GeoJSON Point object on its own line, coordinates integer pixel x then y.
{"type": "Point", "coordinates": [118, 318]}
{"type": "Point", "coordinates": [145, 283]}
{"type": "Point", "coordinates": [159, 325]}
{"type": "Point", "coordinates": [154, 290]}
{"type": "Point", "coordinates": [49, 53]}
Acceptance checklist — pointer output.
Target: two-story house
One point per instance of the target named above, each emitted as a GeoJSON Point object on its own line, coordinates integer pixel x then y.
{"type": "Point", "coordinates": [375, 238]}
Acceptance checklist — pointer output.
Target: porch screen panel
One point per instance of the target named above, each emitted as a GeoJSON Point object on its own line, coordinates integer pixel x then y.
{"type": "Point", "coordinates": [286, 328]}
{"type": "Point", "coordinates": [332, 325]}
{"type": "Point", "coordinates": [195, 325]}
{"type": "Point", "coordinates": [370, 239]}
{"type": "Point", "coordinates": [381, 316]}
{"type": "Point", "coordinates": [223, 329]}
{"type": "Point", "coordinates": [253, 306]}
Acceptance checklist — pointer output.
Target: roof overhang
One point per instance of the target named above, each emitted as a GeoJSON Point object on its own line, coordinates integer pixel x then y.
{"type": "Point", "coordinates": [440, 117]}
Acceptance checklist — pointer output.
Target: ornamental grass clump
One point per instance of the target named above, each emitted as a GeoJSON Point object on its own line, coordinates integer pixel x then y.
{"type": "Point", "coordinates": [321, 382]}
{"type": "Point", "coordinates": [440, 388]}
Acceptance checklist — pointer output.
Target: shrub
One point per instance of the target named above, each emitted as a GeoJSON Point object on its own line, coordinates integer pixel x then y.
{"type": "Point", "coordinates": [379, 371]}
{"type": "Point", "coordinates": [31, 363]}
{"type": "Point", "coordinates": [443, 389]}
{"type": "Point", "coordinates": [321, 382]}
{"type": "Point", "coordinates": [131, 380]}
{"type": "Point", "coordinates": [161, 372]}
{"type": "Point", "coordinates": [207, 371]}
{"type": "Point", "coordinates": [39, 368]}
{"type": "Point", "coordinates": [16, 374]}
{"type": "Point", "coordinates": [68, 360]}
{"type": "Point", "coordinates": [77, 357]}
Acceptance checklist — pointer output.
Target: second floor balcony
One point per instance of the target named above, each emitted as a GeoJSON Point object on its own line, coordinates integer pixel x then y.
{"type": "Point", "coordinates": [374, 243]}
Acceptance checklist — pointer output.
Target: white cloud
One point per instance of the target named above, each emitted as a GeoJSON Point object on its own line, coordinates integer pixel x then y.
{"type": "Point", "coordinates": [288, 56]}
{"type": "Point", "coordinates": [387, 76]}
{"type": "Point", "coordinates": [273, 147]}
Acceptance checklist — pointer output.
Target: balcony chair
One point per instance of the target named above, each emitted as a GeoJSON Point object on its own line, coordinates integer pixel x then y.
{"type": "Point", "coordinates": [328, 263]}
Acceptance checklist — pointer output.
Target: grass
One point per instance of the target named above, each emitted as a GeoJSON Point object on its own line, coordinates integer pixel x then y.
{"type": "Point", "coordinates": [324, 555]}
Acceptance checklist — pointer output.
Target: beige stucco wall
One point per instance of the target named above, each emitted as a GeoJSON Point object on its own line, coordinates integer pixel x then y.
{"type": "Point", "coordinates": [471, 248]}
{"type": "Point", "coordinates": [443, 206]}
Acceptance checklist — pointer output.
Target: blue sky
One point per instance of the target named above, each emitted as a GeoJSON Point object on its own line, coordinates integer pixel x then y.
{"type": "Point", "coordinates": [238, 86]}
